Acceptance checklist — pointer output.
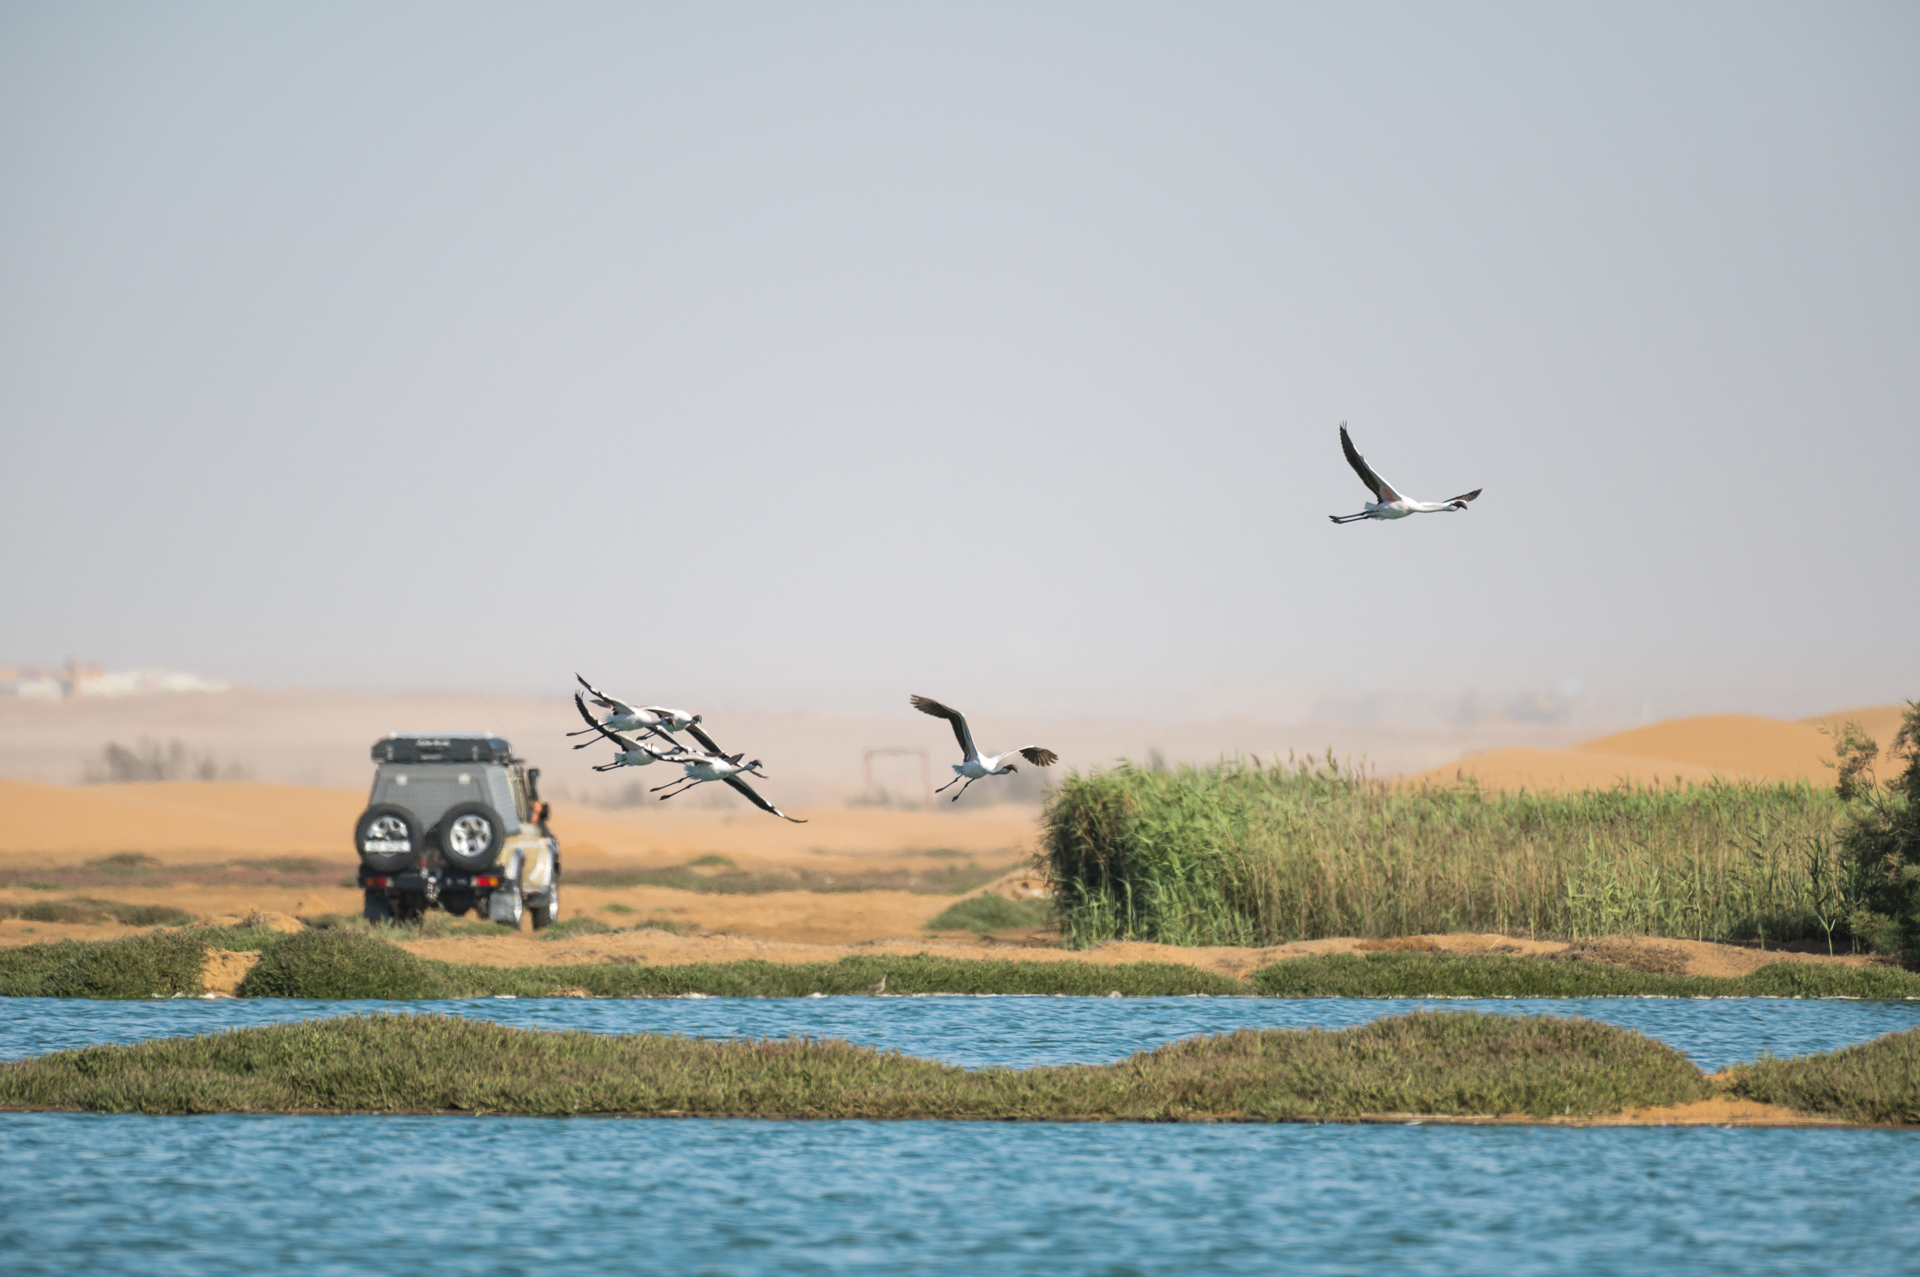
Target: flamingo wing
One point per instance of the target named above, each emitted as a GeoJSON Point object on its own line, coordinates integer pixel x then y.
{"type": "Point", "coordinates": [1462, 500]}
{"type": "Point", "coordinates": [1381, 489]}
{"type": "Point", "coordinates": [927, 705]}
{"type": "Point", "coordinates": [602, 699]}
{"type": "Point", "coordinates": [707, 742]}
{"type": "Point", "coordinates": [597, 726]}
{"type": "Point", "coordinates": [1039, 757]}
{"type": "Point", "coordinates": [758, 801]}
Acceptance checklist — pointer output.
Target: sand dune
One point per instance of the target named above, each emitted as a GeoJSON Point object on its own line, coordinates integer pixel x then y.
{"type": "Point", "coordinates": [176, 822]}
{"type": "Point", "coordinates": [193, 822]}
{"type": "Point", "coordinates": [1678, 751]}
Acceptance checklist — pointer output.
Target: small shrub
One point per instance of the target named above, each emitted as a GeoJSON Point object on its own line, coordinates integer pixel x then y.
{"type": "Point", "coordinates": [125, 863]}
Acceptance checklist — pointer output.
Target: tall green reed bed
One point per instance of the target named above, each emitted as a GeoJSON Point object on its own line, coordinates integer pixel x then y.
{"type": "Point", "coordinates": [1243, 854]}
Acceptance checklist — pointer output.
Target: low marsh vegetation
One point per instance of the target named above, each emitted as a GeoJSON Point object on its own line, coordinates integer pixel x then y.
{"type": "Point", "coordinates": [1432, 975]}
{"type": "Point", "coordinates": [1245, 854]}
{"type": "Point", "coordinates": [1459, 1063]}
{"type": "Point", "coordinates": [347, 964]}
{"type": "Point", "coordinates": [160, 964]}
{"type": "Point", "coordinates": [361, 962]}
{"type": "Point", "coordinates": [1877, 1082]}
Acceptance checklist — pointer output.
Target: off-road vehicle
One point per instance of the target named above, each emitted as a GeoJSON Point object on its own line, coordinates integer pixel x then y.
{"type": "Point", "coordinates": [455, 822]}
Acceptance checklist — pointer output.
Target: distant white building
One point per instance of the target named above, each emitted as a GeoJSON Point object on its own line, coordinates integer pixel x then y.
{"type": "Point", "coordinates": [76, 680]}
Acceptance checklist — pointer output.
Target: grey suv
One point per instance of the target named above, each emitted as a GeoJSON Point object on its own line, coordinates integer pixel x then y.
{"type": "Point", "coordinates": [455, 822]}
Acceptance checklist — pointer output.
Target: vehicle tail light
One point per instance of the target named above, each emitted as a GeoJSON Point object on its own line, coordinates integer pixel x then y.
{"type": "Point", "coordinates": [379, 882]}
{"type": "Point", "coordinates": [486, 882]}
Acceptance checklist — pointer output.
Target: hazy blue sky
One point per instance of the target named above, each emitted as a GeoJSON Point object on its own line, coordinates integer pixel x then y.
{"type": "Point", "coordinates": [798, 356]}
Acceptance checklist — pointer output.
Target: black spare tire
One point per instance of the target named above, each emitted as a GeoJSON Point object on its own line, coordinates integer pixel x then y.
{"type": "Point", "coordinates": [470, 836]}
{"type": "Point", "coordinates": [387, 836]}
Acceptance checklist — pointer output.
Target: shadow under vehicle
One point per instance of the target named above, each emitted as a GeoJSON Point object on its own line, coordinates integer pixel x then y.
{"type": "Point", "coordinates": [455, 822]}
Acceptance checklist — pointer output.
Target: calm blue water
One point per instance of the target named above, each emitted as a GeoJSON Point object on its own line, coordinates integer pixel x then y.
{"type": "Point", "coordinates": [1018, 1032]}
{"type": "Point", "coordinates": [403, 1196]}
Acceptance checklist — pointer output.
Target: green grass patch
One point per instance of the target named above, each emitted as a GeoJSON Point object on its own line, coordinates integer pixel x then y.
{"type": "Point", "coordinates": [159, 964]}
{"type": "Point", "coordinates": [85, 909]}
{"type": "Point", "coordinates": [581, 926]}
{"type": "Point", "coordinates": [1426, 975]}
{"type": "Point", "coordinates": [992, 913]}
{"type": "Point", "coordinates": [239, 939]}
{"type": "Point", "coordinates": [1457, 1063]}
{"type": "Point", "coordinates": [615, 907]}
{"type": "Point", "coordinates": [1243, 854]}
{"type": "Point", "coordinates": [1877, 1082]}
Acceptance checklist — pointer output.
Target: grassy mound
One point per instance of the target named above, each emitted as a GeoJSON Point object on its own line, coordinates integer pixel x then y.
{"type": "Point", "coordinates": [157, 965]}
{"type": "Point", "coordinates": [1453, 1063]}
{"type": "Point", "coordinates": [1877, 1082]}
{"type": "Point", "coordinates": [1428, 975]}
{"type": "Point", "coordinates": [1250, 855]}
{"type": "Point", "coordinates": [992, 913]}
{"type": "Point", "coordinates": [343, 963]}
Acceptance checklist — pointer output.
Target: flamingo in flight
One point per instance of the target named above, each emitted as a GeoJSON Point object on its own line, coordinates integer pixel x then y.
{"type": "Point", "coordinates": [658, 720]}
{"type": "Point", "coordinates": [698, 768]}
{"type": "Point", "coordinates": [1388, 503]}
{"type": "Point", "coordinates": [976, 765]}
{"type": "Point", "coordinates": [632, 753]}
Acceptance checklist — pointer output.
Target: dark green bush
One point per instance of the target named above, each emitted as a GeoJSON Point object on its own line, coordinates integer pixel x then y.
{"type": "Point", "coordinates": [1882, 842]}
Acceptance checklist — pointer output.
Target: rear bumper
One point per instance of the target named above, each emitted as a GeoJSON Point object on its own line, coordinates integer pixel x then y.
{"type": "Point", "coordinates": [431, 884]}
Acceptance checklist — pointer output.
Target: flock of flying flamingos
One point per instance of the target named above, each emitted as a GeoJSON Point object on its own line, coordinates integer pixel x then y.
{"type": "Point", "coordinates": [631, 728]}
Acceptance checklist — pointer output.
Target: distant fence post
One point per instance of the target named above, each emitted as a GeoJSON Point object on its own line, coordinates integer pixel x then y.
{"type": "Point", "coordinates": [926, 769]}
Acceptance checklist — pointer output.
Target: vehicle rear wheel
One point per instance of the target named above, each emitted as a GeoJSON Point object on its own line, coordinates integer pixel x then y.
{"type": "Point", "coordinates": [379, 906]}
{"type": "Point", "coordinates": [387, 836]}
{"type": "Point", "coordinates": [470, 836]}
{"type": "Point", "coordinates": [547, 912]}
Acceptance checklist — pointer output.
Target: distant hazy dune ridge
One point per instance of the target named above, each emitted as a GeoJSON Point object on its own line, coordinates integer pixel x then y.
{"type": "Point", "coordinates": [1680, 750]}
